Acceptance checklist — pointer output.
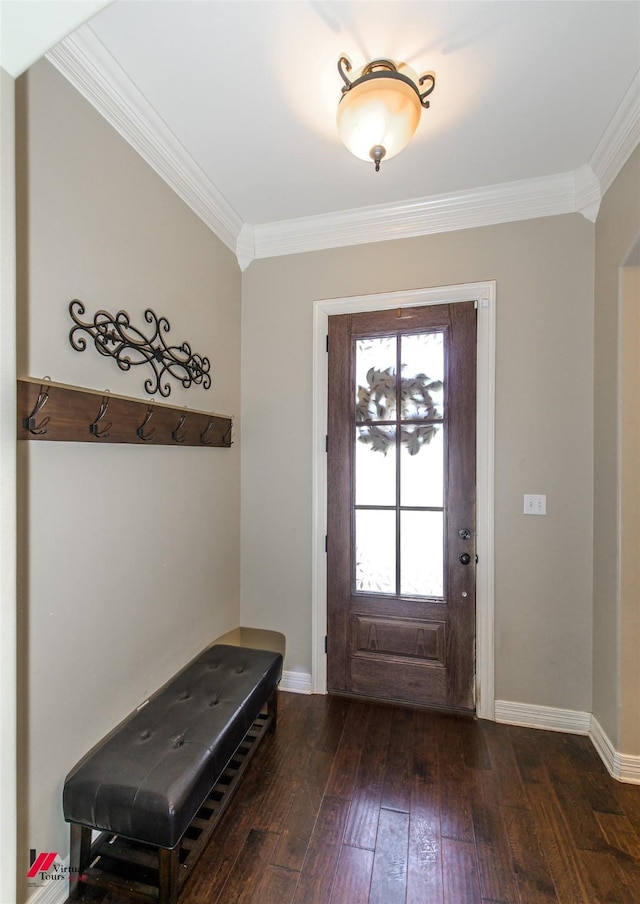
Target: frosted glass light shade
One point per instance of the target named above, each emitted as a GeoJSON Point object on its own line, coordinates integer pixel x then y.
{"type": "Point", "coordinates": [381, 112]}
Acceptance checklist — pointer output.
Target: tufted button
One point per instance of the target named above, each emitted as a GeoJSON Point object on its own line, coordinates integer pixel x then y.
{"type": "Point", "coordinates": [184, 695]}
{"type": "Point", "coordinates": [144, 735]}
{"type": "Point", "coordinates": [213, 702]}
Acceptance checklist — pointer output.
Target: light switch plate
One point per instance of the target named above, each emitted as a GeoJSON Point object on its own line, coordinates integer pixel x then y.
{"type": "Point", "coordinates": [535, 504]}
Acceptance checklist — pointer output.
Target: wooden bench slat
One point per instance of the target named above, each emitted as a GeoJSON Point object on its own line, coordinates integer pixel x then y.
{"type": "Point", "coordinates": [122, 850]}
{"type": "Point", "coordinates": [112, 882]}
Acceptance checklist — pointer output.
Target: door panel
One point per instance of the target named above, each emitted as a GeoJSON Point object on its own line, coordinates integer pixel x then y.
{"type": "Point", "coordinates": [401, 494]}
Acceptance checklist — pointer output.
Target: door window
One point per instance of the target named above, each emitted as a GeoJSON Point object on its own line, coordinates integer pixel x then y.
{"type": "Point", "coordinates": [399, 435]}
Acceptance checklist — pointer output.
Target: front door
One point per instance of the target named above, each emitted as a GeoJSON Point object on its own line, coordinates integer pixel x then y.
{"type": "Point", "coordinates": [401, 505]}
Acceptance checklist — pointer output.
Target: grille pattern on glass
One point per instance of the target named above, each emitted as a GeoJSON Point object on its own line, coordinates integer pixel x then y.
{"type": "Point", "coordinates": [399, 429]}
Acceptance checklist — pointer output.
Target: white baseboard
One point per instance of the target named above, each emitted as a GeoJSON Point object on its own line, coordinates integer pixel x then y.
{"type": "Point", "coordinates": [296, 682]}
{"type": "Point", "coordinates": [623, 767]}
{"type": "Point", "coordinates": [546, 717]}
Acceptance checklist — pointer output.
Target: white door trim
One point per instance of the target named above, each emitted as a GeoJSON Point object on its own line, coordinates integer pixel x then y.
{"type": "Point", "coordinates": [484, 293]}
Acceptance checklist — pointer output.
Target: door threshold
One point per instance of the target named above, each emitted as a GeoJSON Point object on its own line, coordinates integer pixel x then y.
{"type": "Point", "coordinates": [404, 704]}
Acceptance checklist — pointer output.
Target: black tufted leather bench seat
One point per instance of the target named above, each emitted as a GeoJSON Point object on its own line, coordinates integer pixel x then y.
{"type": "Point", "coordinates": [153, 776]}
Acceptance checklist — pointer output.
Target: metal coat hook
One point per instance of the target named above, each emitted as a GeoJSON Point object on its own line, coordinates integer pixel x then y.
{"type": "Point", "coordinates": [140, 430]}
{"type": "Point", "coordinates": [207, 442]}
{"type": "Point", "coordinates": [93, 428]}
{"type": "Point", "coordinates": [226, 439]}
{"type": "Point", "coordinates": [174, 433]}
{"type": "Point", "coordinates": [29, 423]}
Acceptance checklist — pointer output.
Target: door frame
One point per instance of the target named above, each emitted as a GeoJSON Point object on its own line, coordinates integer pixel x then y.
{"type": "Point", "coordinates": [484, 293]}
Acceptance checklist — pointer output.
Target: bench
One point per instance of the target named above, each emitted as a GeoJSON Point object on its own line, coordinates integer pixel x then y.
{"type": "Point", "coordinates": [158, 784]}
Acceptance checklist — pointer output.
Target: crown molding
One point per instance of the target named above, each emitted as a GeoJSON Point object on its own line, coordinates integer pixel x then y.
{"type": "Point", "coordinates": [510, 201]}
{"type": "Point", "coordinates": [588, 192]}
{"type": "Point", "coordinates": [89, 67]}
{"type": "Point", "coordinates": [246, 246]}
{"type": "Point", "coordinates": [620, 138]}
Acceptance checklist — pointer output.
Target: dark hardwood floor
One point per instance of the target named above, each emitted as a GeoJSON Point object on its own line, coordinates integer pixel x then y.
{"type": "Point", "coordinates": [351, 802]}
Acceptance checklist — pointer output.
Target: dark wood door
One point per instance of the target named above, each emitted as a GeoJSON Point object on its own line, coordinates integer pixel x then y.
{"type": "Point", "coordinates": [401, 505]}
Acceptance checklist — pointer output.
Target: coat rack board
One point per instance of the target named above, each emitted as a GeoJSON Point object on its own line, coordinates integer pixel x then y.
{"type": "Point", "coordinates": [49, 411]}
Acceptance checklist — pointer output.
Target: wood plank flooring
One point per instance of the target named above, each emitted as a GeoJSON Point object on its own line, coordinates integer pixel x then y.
{"type": "Point", "coordinates": [358, 803]}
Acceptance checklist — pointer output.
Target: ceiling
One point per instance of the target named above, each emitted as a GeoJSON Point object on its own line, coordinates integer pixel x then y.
{"type": "Point", "coordinates": [234, 102]}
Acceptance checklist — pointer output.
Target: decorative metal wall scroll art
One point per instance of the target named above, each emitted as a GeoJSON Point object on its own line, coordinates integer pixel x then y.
{"type": "Point", "coordinates": [114, 337]}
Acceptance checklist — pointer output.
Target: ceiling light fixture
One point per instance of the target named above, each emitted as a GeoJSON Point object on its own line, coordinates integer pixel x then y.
{"type": "Point", "coordinates": [380, 109]}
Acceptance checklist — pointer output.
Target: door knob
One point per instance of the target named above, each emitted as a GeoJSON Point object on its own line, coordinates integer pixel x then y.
{"type": "Point", "coordinates": [464, 534]}
{"type": "Point", "coordinates": [465, 558]}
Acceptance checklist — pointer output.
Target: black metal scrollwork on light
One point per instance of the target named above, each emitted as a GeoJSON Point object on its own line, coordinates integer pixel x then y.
{"type": "Point", "coordinates": [114, 337]}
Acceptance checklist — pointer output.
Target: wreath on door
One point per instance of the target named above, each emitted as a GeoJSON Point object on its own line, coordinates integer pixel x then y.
{"type": "Point", "coordinates": [377, 401]}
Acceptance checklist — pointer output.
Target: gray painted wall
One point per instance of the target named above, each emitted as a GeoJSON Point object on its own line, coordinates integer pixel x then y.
{"type": "Point", "coordinates": [616, 690]}
{"type": "Point", "coordinates": [544, 375]}
{"type": "Point", "coordinates": [129, 556]}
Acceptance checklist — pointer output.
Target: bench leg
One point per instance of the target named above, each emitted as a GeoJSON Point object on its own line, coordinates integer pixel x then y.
{"type": "Point", "coordinates": [79, 856]}
{"type": "Point", "coordinates": [272, 710]}
{"type": "Point", "coordinates": [168, 867]}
